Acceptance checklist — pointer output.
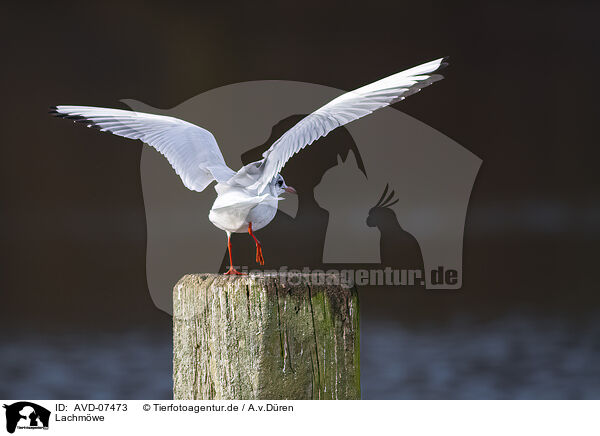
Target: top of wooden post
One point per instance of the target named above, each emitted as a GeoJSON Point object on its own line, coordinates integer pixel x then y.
{"type": "Point", "coordinates": [265, 336]}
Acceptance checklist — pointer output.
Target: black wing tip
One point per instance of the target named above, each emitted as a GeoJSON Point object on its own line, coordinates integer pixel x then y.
{"type": "Point", "coordinates": [76, 118]}
{"type": "Point", "coordinates": [54, 111]}
{"type": "Point", "coordinates": [445, 62]}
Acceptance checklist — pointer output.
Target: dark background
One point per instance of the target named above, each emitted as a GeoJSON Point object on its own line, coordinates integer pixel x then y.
{"type": "Point", "coordinates": [520, 93]}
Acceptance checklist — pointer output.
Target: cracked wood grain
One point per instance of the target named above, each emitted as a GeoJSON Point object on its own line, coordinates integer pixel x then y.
{"type": "Point", "coordinates": [256, 337]}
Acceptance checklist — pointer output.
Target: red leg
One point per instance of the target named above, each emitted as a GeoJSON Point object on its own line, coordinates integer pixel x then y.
{"type": "Point", "coordinates": [259, 257]}
{"type": "Point", "coordinates": [231, 270]}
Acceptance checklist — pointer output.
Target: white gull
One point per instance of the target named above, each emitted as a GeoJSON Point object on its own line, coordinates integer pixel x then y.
{"type": "Point", "coordinates": [247, 199]}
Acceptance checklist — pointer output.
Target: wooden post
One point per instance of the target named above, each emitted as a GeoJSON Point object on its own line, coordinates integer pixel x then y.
{"type": "Point", "coordinates": [261, 337]}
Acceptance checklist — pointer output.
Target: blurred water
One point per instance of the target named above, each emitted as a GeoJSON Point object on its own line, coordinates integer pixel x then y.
{"type": "Point", "coordinates": [513, 357]}
{"type": "Point", "coordinates": [131, 365]}
{"type": "Point", "coordinates": [516, 357]}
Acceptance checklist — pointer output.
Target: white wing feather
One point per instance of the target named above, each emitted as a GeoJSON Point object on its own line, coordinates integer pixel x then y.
{"type": "Point", "coordinates": [191, 150]}
{"type": "Point", "coordinates": [342, 110]}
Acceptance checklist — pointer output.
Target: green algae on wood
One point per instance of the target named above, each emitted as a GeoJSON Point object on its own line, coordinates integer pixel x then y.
{"type": "Point", "coordinates": [260, 337]}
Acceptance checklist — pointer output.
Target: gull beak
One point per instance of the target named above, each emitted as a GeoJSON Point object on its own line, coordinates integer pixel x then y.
{"type": "Point", "coordinates": [290, 190]}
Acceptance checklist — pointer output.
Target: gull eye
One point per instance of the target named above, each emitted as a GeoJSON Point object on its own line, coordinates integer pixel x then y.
{"type": "Point", "coordinates": [279, 182]}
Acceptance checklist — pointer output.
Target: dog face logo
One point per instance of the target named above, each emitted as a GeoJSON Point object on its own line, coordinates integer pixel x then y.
{"type": "Point", "coordinates": [26, 415]}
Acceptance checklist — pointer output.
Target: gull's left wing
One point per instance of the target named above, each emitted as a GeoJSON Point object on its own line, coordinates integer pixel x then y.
{"type": "Point", "coordinates": [342, 110]}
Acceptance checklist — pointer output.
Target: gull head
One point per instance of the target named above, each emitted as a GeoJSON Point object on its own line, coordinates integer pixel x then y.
{"type": "Point", "coordinates": [280, 187]}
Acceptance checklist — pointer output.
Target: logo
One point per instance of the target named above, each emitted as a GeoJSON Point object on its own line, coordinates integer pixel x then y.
{"type": "Point", "coordinates": [336, 222]}
{"type": "Point", "coordinates": [26, 415]}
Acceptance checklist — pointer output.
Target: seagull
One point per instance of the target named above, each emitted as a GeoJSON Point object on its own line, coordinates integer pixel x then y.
{"type": "Point", "coordinates": [247, 200]}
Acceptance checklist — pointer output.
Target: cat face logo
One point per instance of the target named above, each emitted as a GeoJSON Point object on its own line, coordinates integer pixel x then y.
{"type": "Point", "coordinates": [26, 415]}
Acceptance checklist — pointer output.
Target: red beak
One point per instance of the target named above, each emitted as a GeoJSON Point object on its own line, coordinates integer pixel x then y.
{"type": "Point", "coordinates": [290, 190]}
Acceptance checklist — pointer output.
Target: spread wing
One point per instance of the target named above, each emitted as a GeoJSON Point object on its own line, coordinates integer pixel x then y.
{"type": "Point", "coordinates": [191, 150]}
{"type": "Point", "coordinates": [342, 110]}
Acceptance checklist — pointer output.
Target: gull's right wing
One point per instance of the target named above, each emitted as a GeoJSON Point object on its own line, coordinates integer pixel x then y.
{"type": "Point", "coordinates": [191, 150]}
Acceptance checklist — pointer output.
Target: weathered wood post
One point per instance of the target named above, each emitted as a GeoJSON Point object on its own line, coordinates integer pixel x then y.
{"type": "Point", "coordinates": [265, 337]}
